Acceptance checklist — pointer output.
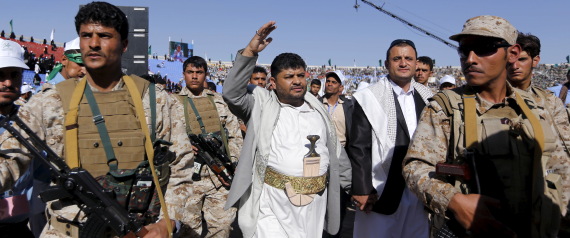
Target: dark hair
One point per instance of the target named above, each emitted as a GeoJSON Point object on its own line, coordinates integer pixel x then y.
{"type": "Point", "coordinates": [529, 43]}
{"type": "Point", "coordinates": [211, 86]}
{"type": "Point", "coordinates": [105, 14]}
{"type": "Point", "coordinates": [400, 43]}
{"type": "Point", "coordinates": [259, 69]}
{"type": "Point", "coordinates": [286, 61]}
{"type": "Point", "coordinates": [197, 62]}
{"type": "Point", "coordinates": [316, 81]}
{"type": "Point", "coordinates": [426, 60]}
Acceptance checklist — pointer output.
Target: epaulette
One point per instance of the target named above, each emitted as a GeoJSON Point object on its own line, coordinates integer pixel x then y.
{"type": "Point", "coordinates": [443, 100]}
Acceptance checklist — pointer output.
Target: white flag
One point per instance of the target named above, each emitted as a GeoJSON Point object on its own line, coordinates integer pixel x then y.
{"type": "Point", "coordinates": [51, 37]}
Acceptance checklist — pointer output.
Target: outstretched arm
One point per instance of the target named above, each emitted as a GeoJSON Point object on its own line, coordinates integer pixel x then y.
{"type": "Point", "coordinates": [235, 86]}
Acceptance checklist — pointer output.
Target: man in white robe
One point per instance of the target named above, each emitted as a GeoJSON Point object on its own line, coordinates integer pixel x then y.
{"type": "Point", "coordinates": [384, 120]}
{"type": "Point", "coordinates": [278, 123]}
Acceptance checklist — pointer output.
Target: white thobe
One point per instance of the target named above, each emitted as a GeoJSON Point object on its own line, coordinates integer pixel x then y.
{"type": "Point", "coordinates": [278, 217]}
{"type": "Point", "coordinates": [410, 219]}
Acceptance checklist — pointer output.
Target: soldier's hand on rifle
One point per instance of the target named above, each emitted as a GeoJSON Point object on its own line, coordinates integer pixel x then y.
{"type": "Point", "coordinates": [473, 212]}
{"type": "Point", "coordinates": [158, 230]}
{"type": "Point", "coordinates": [195, 150]}
{"type": "Point", "coordinates": [260, 40]}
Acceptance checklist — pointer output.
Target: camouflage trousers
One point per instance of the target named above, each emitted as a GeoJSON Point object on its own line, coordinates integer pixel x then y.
{"type": "Point", "coordinates": [209, 201]}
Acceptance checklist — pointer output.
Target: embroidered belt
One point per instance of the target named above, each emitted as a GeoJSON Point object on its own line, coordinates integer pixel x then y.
{"type": "Point", "coordinates": [302, 185]}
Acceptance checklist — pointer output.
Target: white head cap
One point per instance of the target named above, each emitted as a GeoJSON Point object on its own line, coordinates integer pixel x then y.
{"type": "Point", "coordinates": [11, 55]}
{"type": "Point", "coordinates": [447, 79]}
{"type": "Point", "coordinates": [26, 88]}
{"type": "Point", "coordinates": [72, 45]}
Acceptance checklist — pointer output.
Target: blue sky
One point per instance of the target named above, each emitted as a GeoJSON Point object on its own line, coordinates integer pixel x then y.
{"type": "Point", "coordinates": [315, 29]}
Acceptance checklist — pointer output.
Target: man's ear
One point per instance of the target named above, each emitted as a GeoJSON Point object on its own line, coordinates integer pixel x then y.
{"type": "Point", "coordinates": [514, 53]}
{"type": "Point", "coordinates": [535, 61]}
{"type": "Point", "coordinates": [125, 45]}
{"type": "Point", "coordinates": [64, 60]}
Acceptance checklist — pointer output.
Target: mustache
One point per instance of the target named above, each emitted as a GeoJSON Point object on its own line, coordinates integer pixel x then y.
{"type": "Point", "coordinates": [9, 89]}
{"type": "Point", "coordinates": [472, 69]}
{"type": "Point", "coordinates": [96, 52]}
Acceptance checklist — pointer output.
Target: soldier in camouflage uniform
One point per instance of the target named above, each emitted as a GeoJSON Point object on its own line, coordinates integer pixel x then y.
{"type": "Point", "coordinates": [208, 113]}
{"type": "Point", "coordinates": [508, 137]}
{"type": "Point", "coordinates": [103, 31]}
{"type": "Point", "coordinates": [12, 223]}
{"type": "Point", "coordinates": [520, 75]}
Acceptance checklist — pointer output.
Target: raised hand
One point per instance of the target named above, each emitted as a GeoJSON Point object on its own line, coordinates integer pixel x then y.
{"type": "Point", "coordinates": [260, 40]}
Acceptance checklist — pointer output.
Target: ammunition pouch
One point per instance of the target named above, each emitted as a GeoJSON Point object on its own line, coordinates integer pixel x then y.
{"type": "Point", "coordinates": [135, 190]}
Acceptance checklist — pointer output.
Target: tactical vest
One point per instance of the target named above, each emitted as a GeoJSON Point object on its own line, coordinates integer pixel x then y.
{"type": "Point", "coordinates": [124, 129]}
{"type": "Point", "coordinates": [506, 164]}
{"type": "Point", "coordinates": [134, 182]}
{"type": "Point", "coordinates": [208, 114]}
{"type": "Point", "coordinates": [208, 120]}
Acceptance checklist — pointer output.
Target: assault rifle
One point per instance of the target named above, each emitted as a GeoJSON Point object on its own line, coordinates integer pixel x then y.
{"type": "Point", "coordinates": [205, 154]}
{"type": "Point", "coordinates": [78, 186]}
{"type": "Point", "coordinates": [214, 145]}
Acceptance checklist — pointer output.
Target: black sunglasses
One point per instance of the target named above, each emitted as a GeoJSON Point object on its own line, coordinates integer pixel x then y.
{"type": "Point", "coordinates": [402, 41]}
{"type": "Point", "coordinates": [480, 49]}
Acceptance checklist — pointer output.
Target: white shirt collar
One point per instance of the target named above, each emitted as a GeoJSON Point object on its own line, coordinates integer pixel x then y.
{"type": "Point", "coordinates": [399, 91]}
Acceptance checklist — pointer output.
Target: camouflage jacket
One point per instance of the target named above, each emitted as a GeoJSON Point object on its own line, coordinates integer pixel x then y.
{"type": "Point", "coordinates": [429, 146]}
{"type": "Point", "coordinates": [44, 114]}
{"type": "Point", "coordinates": [228, 120]}
{"type": "Point", "coordinates": [556, 109]}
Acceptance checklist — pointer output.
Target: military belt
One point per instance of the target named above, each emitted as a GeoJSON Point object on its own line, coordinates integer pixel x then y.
{"type": "Point", "coordinates": [302, 185]}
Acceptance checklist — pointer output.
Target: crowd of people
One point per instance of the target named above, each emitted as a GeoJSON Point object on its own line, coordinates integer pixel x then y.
{"type": "Point", "coordinates": [286, 150]}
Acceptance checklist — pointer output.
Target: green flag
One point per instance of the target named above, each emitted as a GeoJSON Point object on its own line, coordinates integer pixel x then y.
{"type": "Point", "coordinates": [568, 59]}
{"type": "Point", "coordinates": [150, 50]}
{"type": "Point", "coordinates": [330, 62]}
{"type": "Point", "coordinates": [380, 63]}
{"type": "Point", "coordinates": [11, 26]}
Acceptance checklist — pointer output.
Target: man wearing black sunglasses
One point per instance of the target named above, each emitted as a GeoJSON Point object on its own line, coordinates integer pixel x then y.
{"type": "Point", "coordinates": [384, 120]}
{"type": "Point", "coordinates": [485, 159]}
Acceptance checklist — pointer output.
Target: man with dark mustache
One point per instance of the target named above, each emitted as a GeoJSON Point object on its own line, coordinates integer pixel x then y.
{"type": "Point", "coordinates": [277, 197]}
{"type": "Point", "coordinates": [15, 222]}
{"type": "Point", "coordinates": [485, 159]}
{"type": "Point", "coordinates": [120, 142]}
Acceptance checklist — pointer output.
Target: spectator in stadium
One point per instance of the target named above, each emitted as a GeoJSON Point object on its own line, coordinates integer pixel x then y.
{"type": "Point", "coordinates": [25, 94]}
{"type": "Point", "coordinates": [71, 66]}
{"type": "Point", "coordinates": [258, 77]}
{"type": "Point", "coordinates": [447, 82]}
{"type": "Point", "coordinates": [315, 87]}
{"type": "Point", "coordinates": [424, 70]}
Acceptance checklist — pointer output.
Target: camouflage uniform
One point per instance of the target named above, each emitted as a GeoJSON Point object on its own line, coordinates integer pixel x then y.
{"type": "Point", "coordinates": [209, 194]}
{"type": "Point", "coordinates": [555, 107]}
{"type": "Point", "coordinates": [44, 114]}
{"type": "Point", "coordinates": [430, 146]}
{"type": "Point", "coordinates": [557, 110]}
{"type": "Point", "coordinates": [20, 102]}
